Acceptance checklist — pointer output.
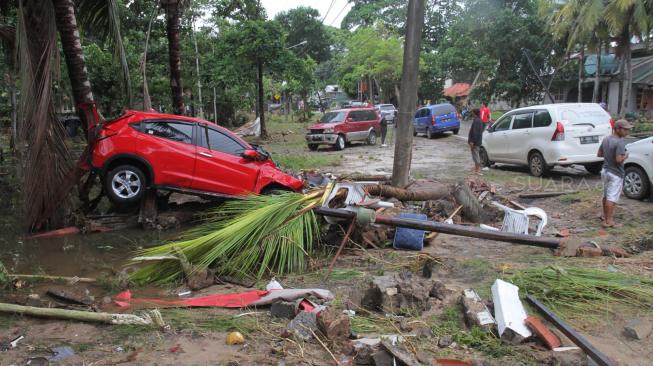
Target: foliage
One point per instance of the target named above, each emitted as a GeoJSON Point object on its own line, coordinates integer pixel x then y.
{"type": "Point", "coordinates": [579, 294]}
{"type": "Point", "coordinates": [246, 237]}
{"type": "Point", "coordinates": [302, 25]}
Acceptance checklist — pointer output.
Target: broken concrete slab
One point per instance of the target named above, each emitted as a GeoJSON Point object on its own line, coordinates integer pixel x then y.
{"type": "Point", "coordinates": [335, 325]}
{"type": "Point", "coordinates": [638, 328]}
{"type": "Point", "coordinates": [509, 312]}
{"type": "Point", "coordinates": [302, 325]}
{"type": "Point", "coordinates": [401, 293]}
{"type": "Point", "coordinates": [284, 309]}
{"type": "Point", "coordinates": [400, 353]}
{"type": "Point", "coordinates": [476, 313]}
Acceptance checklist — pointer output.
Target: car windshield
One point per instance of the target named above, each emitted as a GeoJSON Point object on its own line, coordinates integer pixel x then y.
{"type": "Point", "coordinates": [333, 117]}
{"type": "Point", "coordinates": [387, 107]}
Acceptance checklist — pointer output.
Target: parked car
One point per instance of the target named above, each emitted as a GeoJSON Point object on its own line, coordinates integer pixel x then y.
{"type": "Point", "coordinates": [543, 136]}
{"type": "Point", "coordinates": [639, 169]}
{"type": "Point", "coordinates": [343, 126]}
{"type": "Point", "coordinates": [386, 110]}
{"type": "Point", "coordinates": [189, 155]}
{"type": "Point", "coordinates": [437, 118]}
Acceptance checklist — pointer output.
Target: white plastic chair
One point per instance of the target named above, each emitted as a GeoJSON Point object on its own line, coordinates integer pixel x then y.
{"type": "Point", "coordinates": [516, 221]}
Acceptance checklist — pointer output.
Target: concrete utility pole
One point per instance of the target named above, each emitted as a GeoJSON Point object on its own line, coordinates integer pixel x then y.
{"type": "Point", "coordinates": [408, 94]}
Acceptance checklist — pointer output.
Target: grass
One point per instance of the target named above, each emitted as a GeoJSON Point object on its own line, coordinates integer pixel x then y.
{"type": "Point", "coordinates": [450, 323]}
{"type": "Point", "coordinates": [584, 295]}
{"type": "Point", "coordinates": [207, 320]}
{"type": "Point", "coordinates": [306, 161]}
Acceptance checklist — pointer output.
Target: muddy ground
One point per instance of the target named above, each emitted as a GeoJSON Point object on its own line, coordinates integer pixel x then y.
{"type": "Point", "coordinates": [197, 336]}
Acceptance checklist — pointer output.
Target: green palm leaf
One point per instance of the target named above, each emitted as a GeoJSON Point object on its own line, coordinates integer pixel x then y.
{"type": "Point", "coordinates": [247, 237]}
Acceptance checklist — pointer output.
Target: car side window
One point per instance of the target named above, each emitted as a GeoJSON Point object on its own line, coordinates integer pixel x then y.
{"type": "Point", "coordinates": [355, 116]}
{"type": "Point", "coordinates": [218, 141]}
{"type": "Point", "coordinates": [171, 130]}
{"type": "Point", "coordinates": [418, 114]}
{"type": "Point", "coordinates": [523, 120]}
{"type": "Point", "coordinates": [503, 123]}
{"type": "Point", "coordinates": [371, 116]}
{"type": "Point", "coordinates": [542, 119]}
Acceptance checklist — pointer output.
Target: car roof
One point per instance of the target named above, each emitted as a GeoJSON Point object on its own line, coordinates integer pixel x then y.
{"type": "Point", "coordinates": [556, 106]}
{"type": "Point", "coordinates": [352, 109]}
{"type": "Point", "coordinates": [438, 108]}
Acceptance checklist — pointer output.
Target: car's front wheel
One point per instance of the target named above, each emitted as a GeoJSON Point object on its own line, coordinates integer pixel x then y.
{"type": "Point", "coordinates": [125, 184]}
{"type": "Point", "coordinates": [536, 164]}
{"type": "Point", "coordinates": [340, 143]}
{"type": "Point", "coordinates": [371, 138]}
{"type": "Point", "coordinates": [455, 132]}
{"type": "Point", "coordinates": [636, 183]}
{"type": "Point", "coordinates": [429, 134]}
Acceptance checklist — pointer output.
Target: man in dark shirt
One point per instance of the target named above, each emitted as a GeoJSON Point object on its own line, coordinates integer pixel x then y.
{"type": "Point", "coordinates": [475, 140]}
{"type": "Point", "coordinates": [613, 151]}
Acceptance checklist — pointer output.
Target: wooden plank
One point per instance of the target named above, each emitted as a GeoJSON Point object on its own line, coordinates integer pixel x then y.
{"type": "Point", "coordinates": [545, 194]}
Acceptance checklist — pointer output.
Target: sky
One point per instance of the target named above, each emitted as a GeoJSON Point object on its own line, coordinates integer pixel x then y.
{"type": "Point", "coordinates": [334, 10]}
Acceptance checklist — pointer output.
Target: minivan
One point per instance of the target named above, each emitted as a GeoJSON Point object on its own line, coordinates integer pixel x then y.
{"type": "Point", "coordinates": [544, 136]}
{"type": "Point", "coordinates": [344, 126]}
{"type": "Point", "coordinates": [436, 118]}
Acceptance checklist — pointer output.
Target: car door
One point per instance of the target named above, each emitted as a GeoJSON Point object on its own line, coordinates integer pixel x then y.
{"type": "Point", "coordinates": [416, 121]}
{"type": "Point", "coordinates": [358, 125]}
{"type": "Point", "coordinates": [220, 167]}
{"type": "Point", "coordinates": [519, 137]}
{"type": "Point", "coordinates": [495, 140]}
{"type": "Point", "coordinates": [168, 146]}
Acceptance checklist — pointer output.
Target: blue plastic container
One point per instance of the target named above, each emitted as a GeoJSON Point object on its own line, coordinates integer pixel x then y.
{"type": "Point", "coordinates": [410, 239]}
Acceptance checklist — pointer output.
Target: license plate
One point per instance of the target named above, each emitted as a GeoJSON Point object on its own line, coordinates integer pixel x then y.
{"type": "Point", "coordinates": [589, 140]}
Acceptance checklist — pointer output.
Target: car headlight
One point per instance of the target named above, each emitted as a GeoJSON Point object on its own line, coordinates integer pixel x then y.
{"type": "Point", "coordinates": [329, 130]}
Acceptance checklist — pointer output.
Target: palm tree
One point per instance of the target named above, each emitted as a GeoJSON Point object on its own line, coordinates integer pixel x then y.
{"type": "Point", "coordinates": [173, 10]}
{"type": "Point", "coordinates": [628, 19]}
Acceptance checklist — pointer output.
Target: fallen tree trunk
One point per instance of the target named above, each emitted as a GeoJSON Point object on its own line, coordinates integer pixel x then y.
{"type": "Point", "coordinates": [85, 316]}
{"type": "Point", "coordinates": [435, 193]}
{"type": "Point", "coordinates": [452, 229]}
{"type": "Point", "coordinates": [545, 194]}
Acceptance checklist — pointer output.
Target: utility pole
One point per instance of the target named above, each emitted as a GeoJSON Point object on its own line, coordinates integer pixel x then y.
{"type": "Point", "coordinates": [408, 94]}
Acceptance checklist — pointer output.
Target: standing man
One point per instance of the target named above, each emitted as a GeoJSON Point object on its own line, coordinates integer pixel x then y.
{"type": "Point", "coordinates": [613, 151]}
{"type": "Point", "coordinates": [475, 140]}
{"type": "Point", "coordinates": [485, 113]}
{"type": "Point", "coordinates": [384, 128]}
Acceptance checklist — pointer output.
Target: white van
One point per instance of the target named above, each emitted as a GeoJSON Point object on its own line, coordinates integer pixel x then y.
{"type": "Point", "coordinates": [547, 135]}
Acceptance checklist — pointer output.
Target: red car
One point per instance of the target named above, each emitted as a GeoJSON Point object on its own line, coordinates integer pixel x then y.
{"type": "Point", "coordinates": [177, 153]}
{"type": "Point", "coordinates": [343, 126]}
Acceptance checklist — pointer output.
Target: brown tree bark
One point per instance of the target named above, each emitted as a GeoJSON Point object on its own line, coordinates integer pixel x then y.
{"type": "Point", "coordinates": [72, 49]}
{"type": "Point", "coordinates": [173, 21]}
{"type": "Point", "coordinates": [581, 64]}
{"type": "Point", "coordinates": [597, 77]}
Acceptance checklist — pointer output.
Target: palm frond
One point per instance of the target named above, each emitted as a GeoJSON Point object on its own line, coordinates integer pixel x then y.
{"type": "Point", "coordinates": [247, 237]}
{"type": "Point", "coordinates": [103, 16]}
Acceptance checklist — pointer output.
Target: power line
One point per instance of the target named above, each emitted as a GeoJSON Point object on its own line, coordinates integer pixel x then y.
{"type": "Point", "coordinates": [328, 10]}
{"type": "Point", "coordinates": [340, 12]}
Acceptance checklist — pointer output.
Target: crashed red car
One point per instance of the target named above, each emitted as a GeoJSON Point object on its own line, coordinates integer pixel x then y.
{"type": "Point", "coordinates": [189, 155]}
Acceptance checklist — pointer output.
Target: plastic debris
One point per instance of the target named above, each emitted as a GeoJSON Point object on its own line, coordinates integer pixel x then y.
{"type": "Point", "coordinates": [509, 312]}
{"type": "Point", "coordinates": [61, 353]}
{"type": "Point", "coordinates": [234, 338]}
{"type": "Point", "coordinates": [273, 285]}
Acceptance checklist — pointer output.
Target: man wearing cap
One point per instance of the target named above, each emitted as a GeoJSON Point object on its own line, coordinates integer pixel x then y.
{"type": "Point", "coordinates": [613, 151]}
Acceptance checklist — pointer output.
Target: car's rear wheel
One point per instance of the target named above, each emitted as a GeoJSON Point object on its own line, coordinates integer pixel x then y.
{"type": "Point", "coordinates": [536, 164]}
{"type": "Point", "coordinates": [125, 184]}
{"type": "Point", "coordinates": [429, 134]}
{"type": "Point", "coordinates": [485, 159]}
{"type": "Point", "coordinates": [312, 147]}
{"type": "Point", "coordinates": [636, 183]}
{"type": "Point", "coordinates": [455, 132]}
{"type": "Point", "coordinates": [371, 138]}
{"type": "Point", "coordinates": [340, 143]}
{"type": "Point", "coordinates": [594, 168]}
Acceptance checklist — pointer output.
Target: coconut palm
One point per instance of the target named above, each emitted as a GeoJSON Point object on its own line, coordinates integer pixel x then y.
{"type": "Point", "coordinates": [173, 10]}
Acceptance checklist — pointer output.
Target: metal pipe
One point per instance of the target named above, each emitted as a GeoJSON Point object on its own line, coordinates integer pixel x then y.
{"type": "Point", "coordinates": [449, 229]}
{"type": "Point", "coordinates": [581, 342]}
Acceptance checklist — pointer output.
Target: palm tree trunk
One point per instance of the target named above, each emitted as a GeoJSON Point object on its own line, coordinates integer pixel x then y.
{"type": "Point", "coordinates": [173, 20]}
{"type": "Point", "coordinates": [72, 49]}
{"type": "Point", "coordinates": [581, 64]}
{"type": "Point", "coordinates": [597, 76]}
{"type": "Point", "coordinates": [147, 101]}
{"type": "Point", "coordinates": [261, 102]}
{"type": "Point", "coordinates": [12, 91]}
{"type": "Point", "coordinates": [199, 79]}
{"type": "Point", "coordinates": [626, 70]}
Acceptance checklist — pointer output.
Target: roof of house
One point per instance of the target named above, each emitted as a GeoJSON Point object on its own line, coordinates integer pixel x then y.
{"type": "Point", "coordinates": [457, 90]}
{"type": "Point", "coordinates": [643, 70]}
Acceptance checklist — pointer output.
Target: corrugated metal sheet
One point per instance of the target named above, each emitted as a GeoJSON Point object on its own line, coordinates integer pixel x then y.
{"type": "Point", "coordinates": [643, 70]}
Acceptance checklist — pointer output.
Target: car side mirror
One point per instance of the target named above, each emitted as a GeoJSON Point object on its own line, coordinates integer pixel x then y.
{"type": "Point", "coordinates": [490, 129]}
{"type": "Point", "coordinates": [250, 154]}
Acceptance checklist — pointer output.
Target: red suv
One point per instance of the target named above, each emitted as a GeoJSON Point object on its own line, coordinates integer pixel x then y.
{"type": "Point", "coordinates": [343, 126]}
{"type": "Point", "coordinates": [177, 153]}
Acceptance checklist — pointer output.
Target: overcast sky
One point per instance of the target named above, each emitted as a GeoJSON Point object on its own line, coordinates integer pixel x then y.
{"type": "Point", "coordinates": [338, 8]}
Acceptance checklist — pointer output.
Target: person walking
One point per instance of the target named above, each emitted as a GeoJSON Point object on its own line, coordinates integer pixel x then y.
{"type": "Point", "coordinates": [384, 129]}
{"type": "Point", "coordinates": [614, 153]}
{"type": "Point", "coordinates": [475, 140]}
{"type": "Point", "coordinates": [485, 113]}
